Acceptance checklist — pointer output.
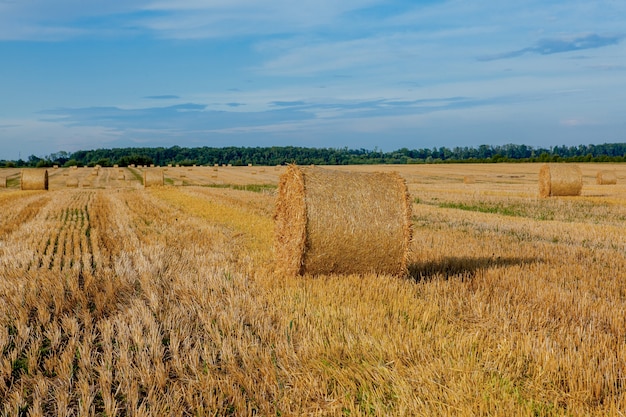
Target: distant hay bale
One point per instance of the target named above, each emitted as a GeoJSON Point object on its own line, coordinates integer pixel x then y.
{"type": "Point", "coordinates": [153, 177]}
{"type": "Point", "coordinates": [116, 166]}
{"type": "Point", "coordinates": [74, 166]}
{"type": "Point", "coordinates": [560, 180]}
{"type": "Point", "coordinates": [469, 179]}
{"type": "Point", "coordinates": [3, 182]}
{"type": "Point", "coordinates": [55, 166]}
{"type": "Point", "coordinates": [121, 177]}
{"type": "Point", "coordinates": [169, 165]}
{"type": "Point", "coordinates": [71, 183]}
{"type": "Point", "coordinates": [34, 179]}
{"type": "Point", "coordinates": [606, 178]}
{"type": "Point", "coordinates": [249, 165]}
{"type": "Point", "coordinates": [341, 222]}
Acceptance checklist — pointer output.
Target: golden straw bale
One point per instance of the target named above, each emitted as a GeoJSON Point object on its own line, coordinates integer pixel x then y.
{"type": "Point", "coordinates": [469, 179]}
{"type": "Point", "coordinates": [3, 182]}
{"type": "Point", "coordinates": [606, 178]}
{"type": "Point", "coordinates": [116, 166]}
{"type": "Point", "coordinates": [560, 180]}
{"type": "Point", "coordinates": [71, 183]}
{"type": "Point", "coordinates": [34, 179]}
{"type": "Point", "coordinates": [153, 177]}
{"type": "Point", "coordinates": [341, 222]}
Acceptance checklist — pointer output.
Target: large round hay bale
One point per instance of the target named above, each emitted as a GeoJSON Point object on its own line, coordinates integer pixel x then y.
{"type": "Point", "coordinates": [71, 183]}
{"type": "Point", "coordinates": [34, 179]}
{"type": "Point", "coordinates": [606, 177]}
{"type": "Point", "coordinates": [341, 222]}
{"type": "Point", "coordinates": [560, 180]}
{"type": "Point", "coordinates": [152, 177]}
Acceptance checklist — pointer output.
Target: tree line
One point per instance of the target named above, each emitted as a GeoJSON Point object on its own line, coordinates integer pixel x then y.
{"type": "Point", "coordinates": [280, 155]}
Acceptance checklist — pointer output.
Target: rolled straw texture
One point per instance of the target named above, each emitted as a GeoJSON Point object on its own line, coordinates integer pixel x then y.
{"type": "Point", "coordinates": [34, 179]}
{"type": "Point", "coordinates": [606, 178]}
{"type": "Point", "coordinates": [152, 177]}
{"type": "Point", "coordinates": [340, 222]}
{"type": "Point", "coordinates": [560, 180]}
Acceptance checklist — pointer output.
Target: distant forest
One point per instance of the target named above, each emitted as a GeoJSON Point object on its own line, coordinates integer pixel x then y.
{"type": "Point", "coordinates": [608, 152]}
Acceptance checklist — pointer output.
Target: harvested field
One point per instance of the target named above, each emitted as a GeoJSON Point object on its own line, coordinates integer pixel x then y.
{"type": "Point", "coordinates": [119, 300]}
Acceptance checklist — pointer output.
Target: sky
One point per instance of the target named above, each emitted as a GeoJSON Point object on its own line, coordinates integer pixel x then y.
{"type": "Point", "coordinates": [362, 74]}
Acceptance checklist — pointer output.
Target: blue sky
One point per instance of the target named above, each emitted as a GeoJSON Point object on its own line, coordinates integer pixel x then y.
{"type": "Point", "coordinates": [320, 73]}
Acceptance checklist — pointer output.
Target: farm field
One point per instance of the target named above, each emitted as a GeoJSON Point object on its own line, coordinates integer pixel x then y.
{"type": "Point", "coordinates": [124, 301]}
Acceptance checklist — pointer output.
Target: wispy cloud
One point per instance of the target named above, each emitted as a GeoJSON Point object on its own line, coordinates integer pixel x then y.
{"type": "Point", "coordinates": [163, 97]}
{"type": "Point", "coordinates": [559, 45]}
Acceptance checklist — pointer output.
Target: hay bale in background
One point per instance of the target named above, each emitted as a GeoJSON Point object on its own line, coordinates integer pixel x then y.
{"type": "Point", "coordinates": [560, 180]}
{"type": "Point", "coordinates": [3, 182]}
{"type": "Point", "coordinates": [153, 177]}
{"type": "Point", "coordinates": [341, 222]}
{"type": "Point", "coordinates": [606, 178]}
{"type": "Point", "coordinates": [71, 183]}
{"type": "Point", "coordinates": [34, 179]}
{"type": "Point", "coordinates": [469, 179]}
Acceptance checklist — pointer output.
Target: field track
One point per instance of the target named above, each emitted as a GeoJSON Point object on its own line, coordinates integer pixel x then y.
{"type": "Point", "coordinates": [120, 300]}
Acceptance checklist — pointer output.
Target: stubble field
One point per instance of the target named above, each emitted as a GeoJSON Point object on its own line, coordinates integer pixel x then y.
{"type": "Point", "coordinates": [120, 300]}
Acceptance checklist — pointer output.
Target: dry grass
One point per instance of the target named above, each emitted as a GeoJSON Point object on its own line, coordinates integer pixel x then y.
{"type": "Point", "coordinates": [164, 302]}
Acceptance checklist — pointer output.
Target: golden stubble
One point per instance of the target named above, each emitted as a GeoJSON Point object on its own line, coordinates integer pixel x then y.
{"type": "Point", "coordinates": [157, 302]}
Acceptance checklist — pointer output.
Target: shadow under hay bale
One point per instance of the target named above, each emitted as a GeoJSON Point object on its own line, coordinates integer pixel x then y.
{"type": "Point", "coordinates": [341, 222]}
{"type": "Point", "coordinates": [560, 180]}
{"type": "Point", "coordinates": [153, 178]}
{"type": "Point", "coordinates": [606, 178]}
{"type": "Point", "coordinates": [34, 179]}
